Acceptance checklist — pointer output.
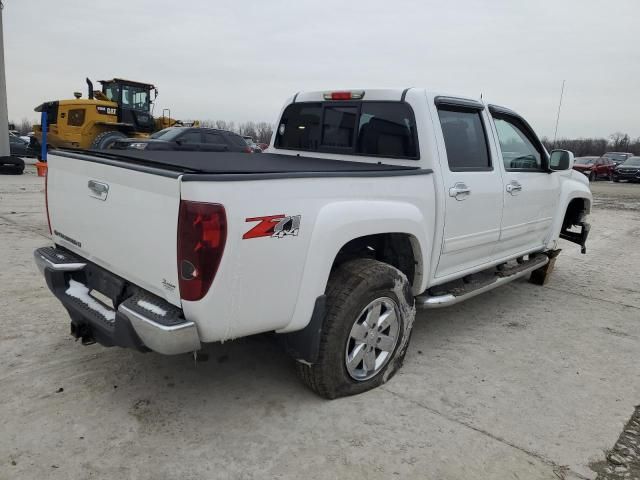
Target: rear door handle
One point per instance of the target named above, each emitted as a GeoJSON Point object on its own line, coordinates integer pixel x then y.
{"type": "Point", "coordinates": [459, 191]}
{"type": "Point", "coordinates": [514, 187]}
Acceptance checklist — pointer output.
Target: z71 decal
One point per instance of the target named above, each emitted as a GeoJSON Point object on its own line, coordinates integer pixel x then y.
{"type": "Point", "coordinates": [277, 226]}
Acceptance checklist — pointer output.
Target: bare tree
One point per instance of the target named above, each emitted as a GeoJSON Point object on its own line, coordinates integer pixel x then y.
{"type": "Point", "coordinates": [264, 131]}
{"type": "Point", "coordinates": [619, 141]}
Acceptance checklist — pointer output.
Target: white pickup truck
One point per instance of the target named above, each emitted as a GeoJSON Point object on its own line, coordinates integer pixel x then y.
{"type": "Point", "coordinates": [367, 205]}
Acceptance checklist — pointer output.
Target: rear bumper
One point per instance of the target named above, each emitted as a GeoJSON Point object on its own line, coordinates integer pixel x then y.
{"type": "Point", "coordinates": [140, 320]}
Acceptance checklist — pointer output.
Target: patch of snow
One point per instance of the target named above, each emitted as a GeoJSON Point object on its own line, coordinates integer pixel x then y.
{"type": "Point", "coordinates": [81, 292]}
{"type": "Point", "coordinates": [152, 308]}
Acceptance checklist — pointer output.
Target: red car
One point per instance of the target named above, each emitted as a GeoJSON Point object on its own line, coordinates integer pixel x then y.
{"type": "Point", "coordinates": [595, 167]}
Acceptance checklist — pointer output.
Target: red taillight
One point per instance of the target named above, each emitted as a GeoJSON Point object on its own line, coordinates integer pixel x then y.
{"type": "Point", "coordinates": [248, 150]}
{"type": "Point", "coordinates": [202, 232]}
{"type": "Point", "coordinates": [350, 95]}
{"type": "Point", "coordinates": [46, 198]}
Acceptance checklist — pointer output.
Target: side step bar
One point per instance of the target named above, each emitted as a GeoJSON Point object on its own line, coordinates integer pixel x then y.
{"type": "Point", "coordinates": [501, 277]}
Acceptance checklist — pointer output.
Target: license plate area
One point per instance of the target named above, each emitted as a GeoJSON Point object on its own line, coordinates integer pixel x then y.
{"type": "Point", "coordinates": [105, 286]}
{"type": "Point", "coordinates": [102, 298]}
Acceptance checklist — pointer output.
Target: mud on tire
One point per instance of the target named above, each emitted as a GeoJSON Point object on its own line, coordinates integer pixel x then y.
{"type": "Point", "coordinates": [352, 287]}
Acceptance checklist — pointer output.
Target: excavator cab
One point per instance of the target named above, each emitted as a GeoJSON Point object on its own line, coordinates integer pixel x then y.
{"type": "Point", "coordinates": [134, 102]}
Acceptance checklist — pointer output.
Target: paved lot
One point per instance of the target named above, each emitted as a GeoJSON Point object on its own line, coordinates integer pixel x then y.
{"type": "Point", "coordinates": [522, 382]}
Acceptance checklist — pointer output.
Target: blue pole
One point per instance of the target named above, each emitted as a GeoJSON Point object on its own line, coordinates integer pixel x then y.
{"type": "Point", "coordinates": [45, 127]}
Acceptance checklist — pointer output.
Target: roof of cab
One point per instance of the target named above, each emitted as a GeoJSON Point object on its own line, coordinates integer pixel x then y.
{"type": "Point", "coordinates": [369, 94]}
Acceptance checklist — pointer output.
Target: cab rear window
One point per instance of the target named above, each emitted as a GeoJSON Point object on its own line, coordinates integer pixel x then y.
{"type": "Point", "coordinates": [385, 129]}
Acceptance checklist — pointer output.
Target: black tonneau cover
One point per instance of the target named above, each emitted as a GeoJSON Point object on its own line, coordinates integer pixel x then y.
{"type": "Point", "coordinates": [219, 166]}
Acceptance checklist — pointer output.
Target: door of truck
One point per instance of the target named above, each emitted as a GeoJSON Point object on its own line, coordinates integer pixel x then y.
{"type": "Point", "coordinates": [530, 192]}
{"type": "Point", "coordinates": [472, 185]}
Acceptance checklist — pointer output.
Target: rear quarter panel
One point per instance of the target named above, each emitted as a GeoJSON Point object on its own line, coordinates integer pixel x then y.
{"type": "Point", "coordinates": [266, 283]}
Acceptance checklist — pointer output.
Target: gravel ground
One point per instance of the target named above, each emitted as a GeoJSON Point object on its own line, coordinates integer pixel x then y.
{"type": "Point", "coordinates": [522, 382]}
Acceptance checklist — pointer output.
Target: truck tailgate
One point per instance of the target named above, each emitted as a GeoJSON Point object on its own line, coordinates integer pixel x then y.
{"type": "Point", "coordinates": [121, 219]}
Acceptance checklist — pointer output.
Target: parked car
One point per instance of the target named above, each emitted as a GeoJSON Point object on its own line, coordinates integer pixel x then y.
{"type": "Point", "coordinates": [252, 144]}
{"type": "Point", "coordinates": [629, 170]}
{"type": "Point", "coordinates": [594, 167]}
{"type": "Point", "coordinates": [20, 148]}
{"type": "Point", "coordinates": [366, 210]}
{"type": "Point", "coordinates": [617, 157]}
{"type": "Point", "coordinates": [192, 139]}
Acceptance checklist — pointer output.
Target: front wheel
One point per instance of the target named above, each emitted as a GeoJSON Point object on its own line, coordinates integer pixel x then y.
{"type": "Point", "coordinates": [592, 177]}
{"type": "Point", "coordinates": [368, 321]}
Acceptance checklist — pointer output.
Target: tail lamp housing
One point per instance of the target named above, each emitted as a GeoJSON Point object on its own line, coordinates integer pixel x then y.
{"type": "Point", "coordinates": [202, 234]}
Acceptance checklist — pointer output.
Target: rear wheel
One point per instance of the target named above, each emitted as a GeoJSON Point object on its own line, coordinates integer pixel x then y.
{"type": "Point", "coordinates": [366, 330]}
{"type": "Point", "coordinates": [106, 140]}
{"type": "Point", "coordinates": [592, 177]}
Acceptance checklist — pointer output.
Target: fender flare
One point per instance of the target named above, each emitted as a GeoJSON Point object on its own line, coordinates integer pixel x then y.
{"type": "Point", "coordinates": [340, 222]}
{"type": "Point", "coordinates": [570, 189]}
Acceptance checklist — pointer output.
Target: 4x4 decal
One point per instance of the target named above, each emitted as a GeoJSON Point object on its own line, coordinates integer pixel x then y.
{"type": "Point", "coordinates": [277, 226]}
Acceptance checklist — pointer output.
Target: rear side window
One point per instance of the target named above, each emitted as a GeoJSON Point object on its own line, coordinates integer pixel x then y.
{"type": "Point", "coordinates": [465, 140]}
{"type": "Point", "coordinates": [190, 137]}
{"type": "Point", "coordinates": [236, 140]}
{"type": "Point", "coordinates": [213, 138]}
{"type": "Point", "coordinates": [385, 129]}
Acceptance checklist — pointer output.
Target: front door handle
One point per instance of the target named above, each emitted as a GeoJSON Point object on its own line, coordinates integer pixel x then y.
{"type": "Point", "coordinates": [459, 191]}
{"type": "Point", "coordinates": [514, 187]}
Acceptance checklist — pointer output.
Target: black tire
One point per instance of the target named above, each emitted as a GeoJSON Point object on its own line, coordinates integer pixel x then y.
{"type": "Point", "coordinates": [592, 177]}
{"type": "Point", "coordinates": [616, 179]}
{"type": "Point", "coordinates": [106, 140]}
{"type": "Point", "coordinates": [351, 288]}
{"type": "Point", "coordinates": [11, 170]}
{"type": "Point", "coordinates": [12, 165]}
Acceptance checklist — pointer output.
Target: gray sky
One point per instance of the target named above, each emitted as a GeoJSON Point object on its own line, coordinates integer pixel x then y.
{"type": "Point", "coordinates": [239, 60]}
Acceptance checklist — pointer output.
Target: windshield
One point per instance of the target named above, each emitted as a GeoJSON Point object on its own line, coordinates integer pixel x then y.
{"type": "Point", "coordinates": [584, 160]}
{"type": "Point", "coordinates": [632, 162]}
{"type": "Point", "coordinates": [168, 134]}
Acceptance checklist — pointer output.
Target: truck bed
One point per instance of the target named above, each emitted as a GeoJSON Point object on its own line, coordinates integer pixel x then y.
{"type": "Point", "coordinates": [220, 166]}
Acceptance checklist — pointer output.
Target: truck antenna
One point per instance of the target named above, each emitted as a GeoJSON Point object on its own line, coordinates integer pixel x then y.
{"type": "Point", "coordinates": [555, 133]}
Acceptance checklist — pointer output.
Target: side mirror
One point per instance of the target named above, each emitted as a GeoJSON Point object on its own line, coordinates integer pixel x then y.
{"type": "Point", "coordinates": [561, 160]}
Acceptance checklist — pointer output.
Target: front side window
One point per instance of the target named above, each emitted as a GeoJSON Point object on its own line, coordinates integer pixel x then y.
{"type": "Point", "coordinates": [190, 138]}
{"type": "Point", "coordinates": [385, 129]}
{"type": "Point", "coordinates": [518, 150]}
{"type": "Point", "coordinates": [135, 97]}
{"type": "Point", "coordinates": [168, 134]}
{"type": "Point", "coordinates": [465, 140]}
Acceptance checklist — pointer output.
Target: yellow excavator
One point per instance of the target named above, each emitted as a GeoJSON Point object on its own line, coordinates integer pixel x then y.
{"type": "Point", "coordinates": [121, 109]}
